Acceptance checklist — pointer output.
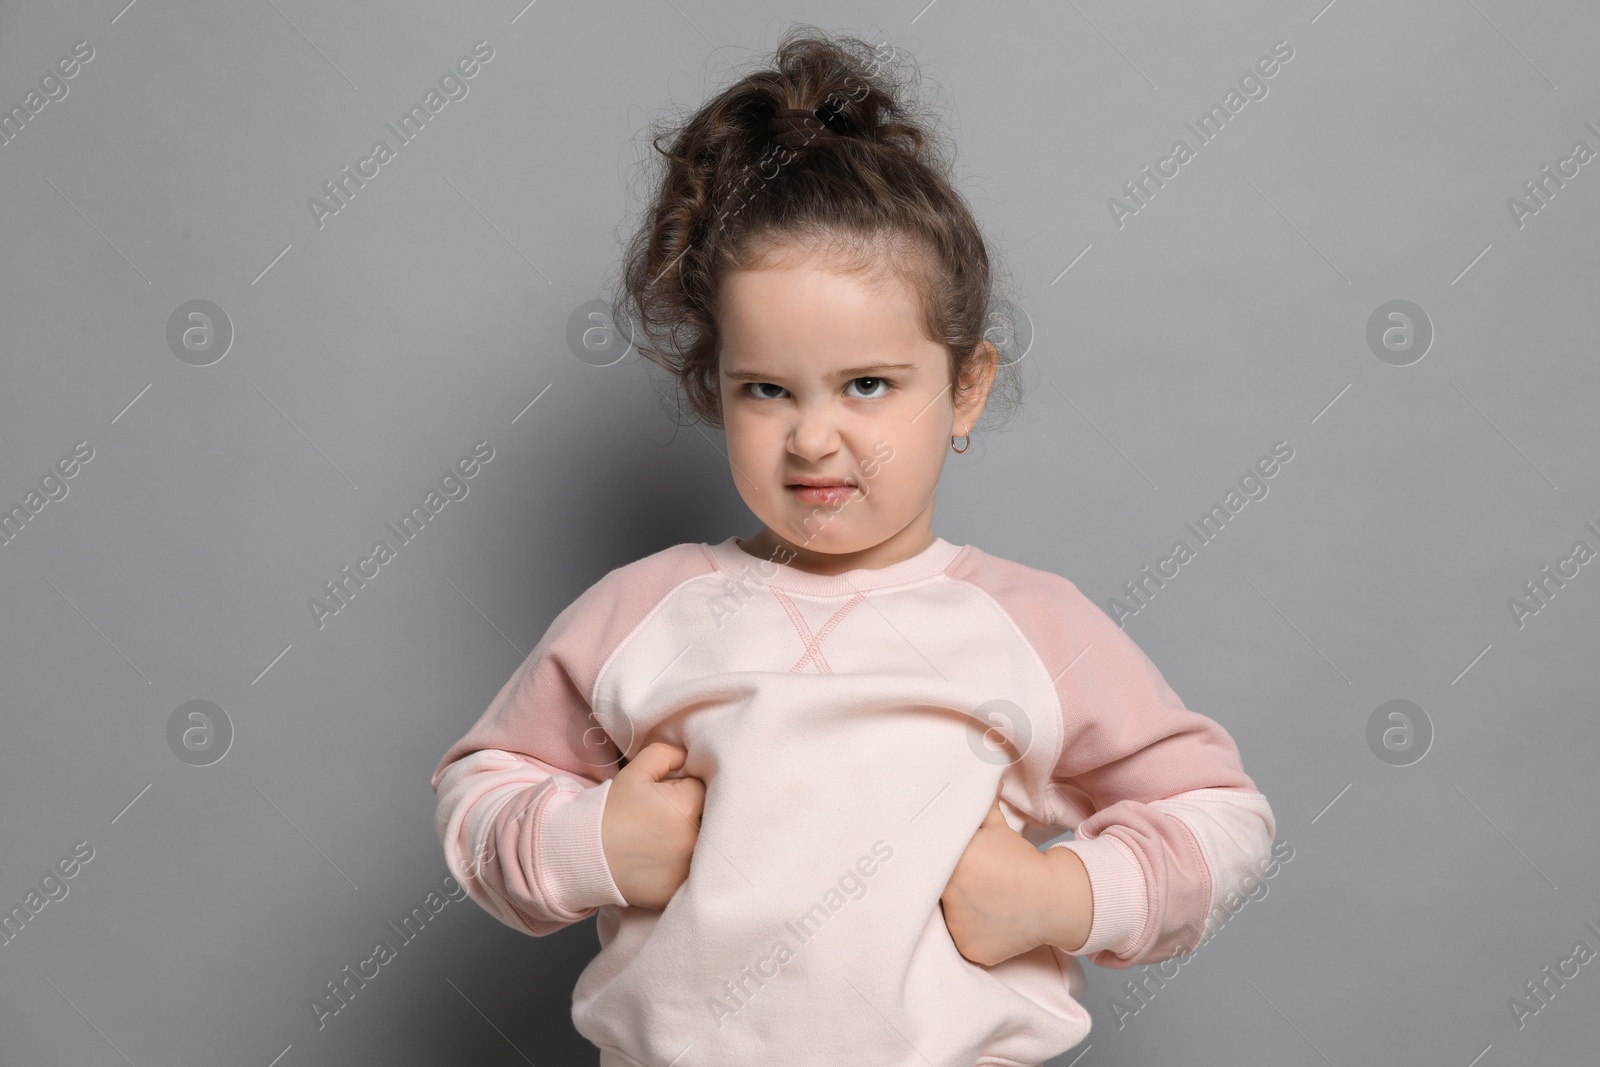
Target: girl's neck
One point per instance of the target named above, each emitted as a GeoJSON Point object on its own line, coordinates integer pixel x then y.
{"type": "Point", "coordinates": [908, 542]}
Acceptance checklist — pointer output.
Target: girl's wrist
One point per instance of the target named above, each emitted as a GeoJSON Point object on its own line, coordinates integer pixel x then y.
{"type": "Point", "coordinates": [1067, 913]}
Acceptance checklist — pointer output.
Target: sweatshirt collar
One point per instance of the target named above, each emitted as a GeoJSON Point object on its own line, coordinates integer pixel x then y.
{"type": "Point", "coordinates": [735, 562]}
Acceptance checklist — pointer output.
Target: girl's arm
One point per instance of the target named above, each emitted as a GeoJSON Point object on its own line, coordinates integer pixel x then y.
{"type": "Point", "coordinates": [524, 792]}
{"type": "Point", "coordinates": [521, 795]}
{"type": "Point", "coordinates": [1168, 826]}
{"type": "Point", "coordinates": [523, 837]}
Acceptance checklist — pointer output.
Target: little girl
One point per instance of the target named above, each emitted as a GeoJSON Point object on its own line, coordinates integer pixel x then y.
{"type": "Point", "coordinates": [803, 777]}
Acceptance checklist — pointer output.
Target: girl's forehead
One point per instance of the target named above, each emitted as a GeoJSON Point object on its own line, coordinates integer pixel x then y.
{"type": "Point", "coordinates": [801, 301]}
{"type": "Point", "coordinates": [816, 287]}
{"type": "Point", "coordinates": [815, 310]}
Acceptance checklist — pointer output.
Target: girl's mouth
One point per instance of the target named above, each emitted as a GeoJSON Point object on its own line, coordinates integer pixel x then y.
{"type": "Point", "coordinates": [822, 494]}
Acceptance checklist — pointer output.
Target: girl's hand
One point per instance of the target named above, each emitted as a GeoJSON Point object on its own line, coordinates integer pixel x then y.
{"type": "Point", "coordinates": [1005, 897]}
{"type": "Point", "coordinates": [650, 825]}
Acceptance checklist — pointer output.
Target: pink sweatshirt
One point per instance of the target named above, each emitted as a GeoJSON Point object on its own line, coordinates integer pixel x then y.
{"type": "Point", "coordinates": [839, 724]}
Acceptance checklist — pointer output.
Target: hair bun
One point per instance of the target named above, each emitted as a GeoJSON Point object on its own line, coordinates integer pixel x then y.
{"type": "Point", "coordinates": [799, 127]}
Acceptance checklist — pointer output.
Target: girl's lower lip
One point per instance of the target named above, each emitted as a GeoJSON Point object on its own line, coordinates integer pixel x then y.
{"type": "Point", "coordinates": [822, 494]}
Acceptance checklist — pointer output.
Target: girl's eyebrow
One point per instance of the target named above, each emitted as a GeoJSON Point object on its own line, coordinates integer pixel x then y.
{"type": "Point", "coordinates": [853, 372]}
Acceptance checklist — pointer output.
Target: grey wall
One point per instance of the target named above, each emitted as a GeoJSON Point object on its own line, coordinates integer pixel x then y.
{"type": "Point", "coordinates": [1431, 876]}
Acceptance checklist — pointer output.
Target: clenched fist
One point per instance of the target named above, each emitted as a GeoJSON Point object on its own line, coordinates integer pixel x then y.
{"type": "Point", "coordinates": [651, 824]}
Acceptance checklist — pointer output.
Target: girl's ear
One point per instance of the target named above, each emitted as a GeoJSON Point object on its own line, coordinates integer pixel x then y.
{"type": "Point", "coordinates": [975, 384]}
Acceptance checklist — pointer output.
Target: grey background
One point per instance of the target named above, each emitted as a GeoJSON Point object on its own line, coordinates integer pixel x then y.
{"type": "Point", "coordinates": [371, 354]}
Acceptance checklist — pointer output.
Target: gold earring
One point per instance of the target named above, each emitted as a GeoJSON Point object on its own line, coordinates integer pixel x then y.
{"type": "Point", "coordinates": [963, 449]}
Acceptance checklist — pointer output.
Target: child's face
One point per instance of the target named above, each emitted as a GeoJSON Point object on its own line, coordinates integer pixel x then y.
{"type": "Point", "coordinates": [825, 375]}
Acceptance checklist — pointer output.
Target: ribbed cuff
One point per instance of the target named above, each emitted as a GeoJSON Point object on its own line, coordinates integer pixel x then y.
{"type": "Point", "coordinates": [571, 856]}
{"type": "Point", "coordinates": [1121, 901]}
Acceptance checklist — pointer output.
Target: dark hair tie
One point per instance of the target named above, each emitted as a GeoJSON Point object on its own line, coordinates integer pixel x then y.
{"type": "Point", "coordinates": [799, 127]}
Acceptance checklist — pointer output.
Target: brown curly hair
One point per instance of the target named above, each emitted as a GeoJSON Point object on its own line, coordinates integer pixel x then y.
{"type": "Point", "coordinates": [877, 197]}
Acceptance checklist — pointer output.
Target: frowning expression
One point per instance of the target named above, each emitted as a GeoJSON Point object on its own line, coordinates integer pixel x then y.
{"type": "Point", "coordinates": [838, 408]}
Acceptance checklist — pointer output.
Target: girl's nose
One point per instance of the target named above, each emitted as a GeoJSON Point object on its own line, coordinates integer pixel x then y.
{"type": "Point", "coordinates": [815, 434]}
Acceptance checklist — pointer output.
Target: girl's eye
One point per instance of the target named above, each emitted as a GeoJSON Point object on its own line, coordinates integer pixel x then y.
{"type": "Point", "coordinates": [876, 381]}
{"type": "Point", "coordinates": [755, 388]}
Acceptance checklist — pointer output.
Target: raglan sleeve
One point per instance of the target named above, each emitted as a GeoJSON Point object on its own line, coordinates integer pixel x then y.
{"type": "Point", "coordinates": [1166, 821]}
{"type": "Point", "coordinates": [520, 797]}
